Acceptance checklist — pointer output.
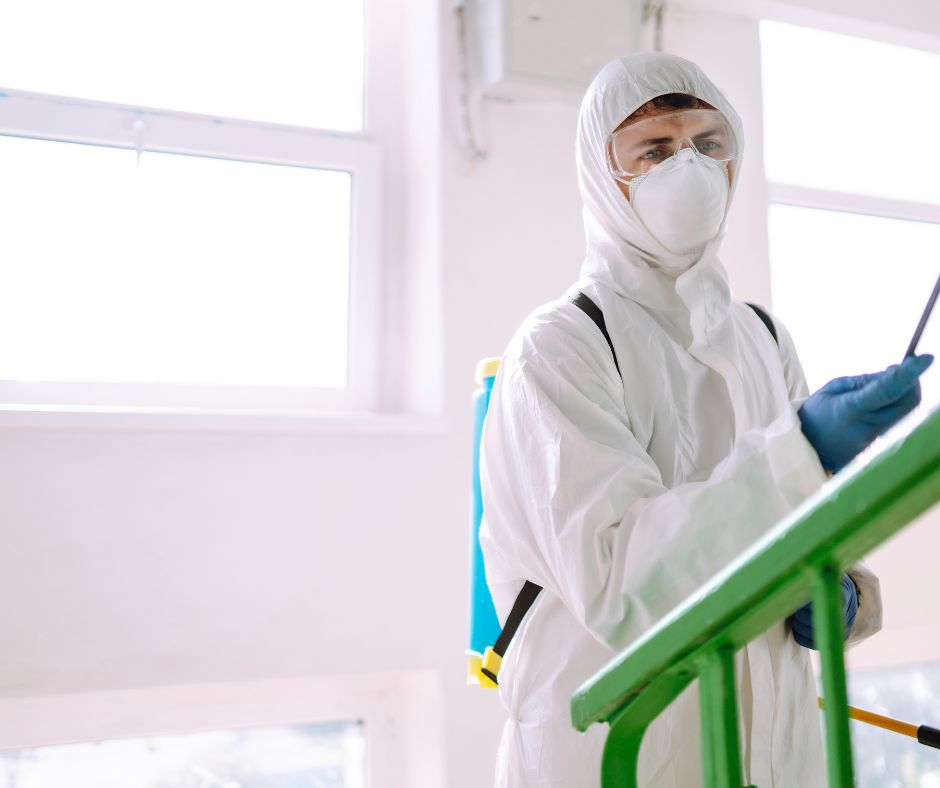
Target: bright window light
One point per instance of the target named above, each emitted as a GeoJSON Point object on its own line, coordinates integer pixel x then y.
{"type": "Point", "coordinates": [312, 756]}
{"type": "Point", "coordinates": [297, 62]}
{"type": "Point", "coordinates": [848, 114]}
{"type": "Point", "coordinates": [906, 692]}
{"type": "Point", "coordinates": [851, 288]}
{"type": "Point", "coordinates": [187, 270]}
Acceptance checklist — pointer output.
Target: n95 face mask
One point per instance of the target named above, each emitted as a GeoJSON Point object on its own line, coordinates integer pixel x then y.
{"type": "Point", "coordinates": [682, 201]}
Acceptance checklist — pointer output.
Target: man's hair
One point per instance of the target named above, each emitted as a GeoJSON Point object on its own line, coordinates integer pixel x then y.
{"type": "Point", "coordinates": [670, 101]}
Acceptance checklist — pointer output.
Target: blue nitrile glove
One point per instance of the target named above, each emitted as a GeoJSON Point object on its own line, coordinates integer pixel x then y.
{"type": "Point", "coordinates": [848, 413]}
{"type": "Point", "coordinates": [802, 620]}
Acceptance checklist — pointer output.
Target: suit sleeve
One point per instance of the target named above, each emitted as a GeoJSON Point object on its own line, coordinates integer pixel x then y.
{"type": "Point", "coordinates": [580, 506]}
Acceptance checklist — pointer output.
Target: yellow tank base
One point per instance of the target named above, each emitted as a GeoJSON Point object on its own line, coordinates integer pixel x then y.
{"type": "Point", "coordinates": [475, 675]}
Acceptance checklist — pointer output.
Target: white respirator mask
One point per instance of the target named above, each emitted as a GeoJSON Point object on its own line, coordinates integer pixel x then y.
{"type": "Point", "coordinates": [682, 201]}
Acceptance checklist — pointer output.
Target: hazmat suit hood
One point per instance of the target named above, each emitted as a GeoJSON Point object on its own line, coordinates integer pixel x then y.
{"type": "Point", "coordinates": [689, 293]}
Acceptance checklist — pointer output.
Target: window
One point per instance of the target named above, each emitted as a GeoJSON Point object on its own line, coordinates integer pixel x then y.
{"type": "Point", "coordinates": [308, 756]}
{"type": "Point", "coordinates": [230, 58]}
{"type": "Point", "coordinates": [851, 288]}
{"type": "Point", "coordinates": [362, 730]}
{"type": "Point", "coordinates": [849, 114]}
{"type": "Point", "coordinates": [854, 220]}
{"type": "Point", "coordinates": [190, 201]}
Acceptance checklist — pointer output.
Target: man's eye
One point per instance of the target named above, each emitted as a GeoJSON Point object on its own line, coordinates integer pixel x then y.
{"type": "Point", "coordinates": [652, 154]}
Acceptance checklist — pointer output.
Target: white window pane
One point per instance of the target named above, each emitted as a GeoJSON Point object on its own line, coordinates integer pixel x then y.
{"type": "Point", "coordinates": [186, 270]}
{"type": "Point", "coordinates": [851, 289]}
{"type": "Point", "coordinates": [849, 114]}
{"type": "Point", "coordinates": [282, 61]}
{"type": "Point", "coordinates": [317, 756]}
{"type": "Point", "coordinates": [905, 692]}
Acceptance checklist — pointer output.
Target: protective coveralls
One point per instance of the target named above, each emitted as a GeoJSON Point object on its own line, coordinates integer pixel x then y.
{"type": "Point", "coordinates": [621, 497]}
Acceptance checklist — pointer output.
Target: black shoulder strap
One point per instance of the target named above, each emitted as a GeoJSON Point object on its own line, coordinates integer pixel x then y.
{"type": "Point", "coordinates": [593, 311]}
{"type": "Point", "coordinates": [530, 590]}
{"type": "Point", "coordinates": [520, 607]}
{"type": "Point", "coordinates": [765, 319]}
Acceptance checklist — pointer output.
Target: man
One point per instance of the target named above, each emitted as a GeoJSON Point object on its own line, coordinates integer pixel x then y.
{"type": "Point", "coordinates": [620, 478]}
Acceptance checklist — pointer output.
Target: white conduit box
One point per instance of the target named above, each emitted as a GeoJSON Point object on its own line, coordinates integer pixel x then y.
{"type": "Point", "coordinates": [550, 49]}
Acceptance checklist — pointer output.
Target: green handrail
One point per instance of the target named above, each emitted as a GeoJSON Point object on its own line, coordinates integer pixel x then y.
{"type": "Point", "coordinates": [802, 557]}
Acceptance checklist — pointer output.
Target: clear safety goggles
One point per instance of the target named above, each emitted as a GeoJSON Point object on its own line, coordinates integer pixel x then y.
{"type": "Point", "coordinates": [639, 147]}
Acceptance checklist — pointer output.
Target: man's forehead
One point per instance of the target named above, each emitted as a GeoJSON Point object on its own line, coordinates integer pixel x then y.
{"type": "Point", "coordinates": [651, 110]}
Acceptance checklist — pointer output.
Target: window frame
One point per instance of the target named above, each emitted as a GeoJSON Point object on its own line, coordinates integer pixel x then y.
{"type": "Point", "coordinates": [109, 124]}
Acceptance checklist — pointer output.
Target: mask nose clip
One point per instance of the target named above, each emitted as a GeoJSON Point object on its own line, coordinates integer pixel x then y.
{"type": "Point", "coordinates": [685, 149]}
{"type": "Point", "coordinates": [680, 148]}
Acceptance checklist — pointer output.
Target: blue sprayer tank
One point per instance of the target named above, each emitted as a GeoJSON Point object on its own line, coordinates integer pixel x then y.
{"type": "Point", "coordinates": [484, 625]}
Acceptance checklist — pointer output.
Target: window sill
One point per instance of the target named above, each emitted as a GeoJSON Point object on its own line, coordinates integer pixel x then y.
{"type": "Point", "coordinates": [185, 420]}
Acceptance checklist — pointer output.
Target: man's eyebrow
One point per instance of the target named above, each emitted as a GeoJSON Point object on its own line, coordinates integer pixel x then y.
{"type": "Point", "coordinates": [653, 141]}
{"type": "Point", "coordinates": [663, 140]}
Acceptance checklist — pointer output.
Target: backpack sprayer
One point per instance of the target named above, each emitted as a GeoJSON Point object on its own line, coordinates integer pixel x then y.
{"type": "Point", "coordinates": [484, 625]}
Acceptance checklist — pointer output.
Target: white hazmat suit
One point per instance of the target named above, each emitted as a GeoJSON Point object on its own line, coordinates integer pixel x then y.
{"type": "Point", "coordinates": [621, 497]}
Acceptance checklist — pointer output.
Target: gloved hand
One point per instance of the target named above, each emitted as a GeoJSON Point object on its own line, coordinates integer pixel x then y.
{"type": "Point", "coordinates": [802, 620]}
{"type": "Point", "coordinates": [848, 413]}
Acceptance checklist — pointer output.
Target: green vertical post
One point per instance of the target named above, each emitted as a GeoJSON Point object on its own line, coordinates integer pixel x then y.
{"type": "Point", "coordinates": [721, 749]}
{"type": "Point", "coordinates": [621, 754]}
{"type": "Point", "coordinates": [829, 633]}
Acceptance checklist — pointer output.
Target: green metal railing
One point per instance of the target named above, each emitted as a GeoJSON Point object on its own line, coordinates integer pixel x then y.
{"type": "Point", "coordinates": [802, 557]}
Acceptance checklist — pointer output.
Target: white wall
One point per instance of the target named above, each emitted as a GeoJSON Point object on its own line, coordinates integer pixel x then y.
{"type": "Point", "coordinates": [135, 558]}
